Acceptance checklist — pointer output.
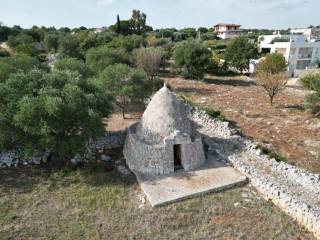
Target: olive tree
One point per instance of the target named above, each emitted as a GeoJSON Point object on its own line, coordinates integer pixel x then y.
{"type": "Point", "coordinates": [100, 58]}
{"type": "Point", "coordinates": [129, 85]}
{"type": "Point", "coordinates": [192, 56]}
{"type": "Point", "coordinates": [74, 65]}
{"type": "Point", "coordinates": [51, 42]}
{"type": "Point", "coordinates": [239, 52]}
{"type": "Point", "coordinates": [148, 59]}
{"type": "Point", "coordinates": [69, 46]}
{"type": "Point", "coordinates": [57, 111]}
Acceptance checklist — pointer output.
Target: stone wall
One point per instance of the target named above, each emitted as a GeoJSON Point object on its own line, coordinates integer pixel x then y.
{"type": "Point", "coordinates": [136, 147]}
{"type": "Point", "coordinates": [150, 158]}
{"type": "Point", "coordinates": [109, 140]}
{"type": "Point", "coordinates": [295, 190]}
{"type": "Point", "coordinates": [192, 155]}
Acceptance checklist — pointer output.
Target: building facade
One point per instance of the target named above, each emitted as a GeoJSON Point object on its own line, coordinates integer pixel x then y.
{"type": "Point", "coordinates": [299, 53]}
{"type": "Point", "coordinates": [312, 33]}
{"type": "Point", "coordinates": [226, 30]}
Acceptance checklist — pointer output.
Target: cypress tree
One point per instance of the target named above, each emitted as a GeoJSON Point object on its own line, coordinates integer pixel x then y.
{"type": "Point", "coordinates": [118, 25]}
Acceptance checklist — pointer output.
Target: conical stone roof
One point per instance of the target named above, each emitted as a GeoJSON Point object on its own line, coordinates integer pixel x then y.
{"type": "Point", "coordinates": [164, 115]}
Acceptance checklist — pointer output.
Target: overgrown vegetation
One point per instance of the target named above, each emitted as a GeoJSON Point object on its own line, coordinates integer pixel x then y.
{"type": "Point", "coordinates": [274, 154]}
{"type": "Point", "coordinates": [311, 81]}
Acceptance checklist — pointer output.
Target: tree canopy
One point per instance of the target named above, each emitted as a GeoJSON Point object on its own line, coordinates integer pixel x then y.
{"type": "Point", "coordinates": [194, 57]}
{"type": "Point", "coordinates": [239, 52]}
{"type": "Point", "coordinates": [129, 85]}
{"type": "Point", "coordinates": [57, 111]}
{"type": "Point", "coordinates": [100, 58]}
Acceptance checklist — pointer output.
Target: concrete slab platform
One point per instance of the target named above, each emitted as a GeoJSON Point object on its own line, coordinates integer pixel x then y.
{"type": "Point", "coordinates": [213, 177]}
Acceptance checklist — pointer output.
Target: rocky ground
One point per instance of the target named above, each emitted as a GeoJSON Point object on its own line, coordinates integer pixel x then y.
{"type": "Point", "coordinates": [286, 127]}
{"type": "Point", "coordinates": [295, 190]}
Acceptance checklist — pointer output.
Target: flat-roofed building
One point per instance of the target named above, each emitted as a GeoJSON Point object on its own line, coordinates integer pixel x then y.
{"type": "Point", "coordinates": [227, 30]}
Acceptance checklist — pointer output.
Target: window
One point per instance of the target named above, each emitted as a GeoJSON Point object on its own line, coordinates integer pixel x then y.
{"type": "Point", "coordinates": [292, 51]}
{"type": "Point", "coordinates": [305, 52]}
{"type": "Point", "coordinates": [303, 64]}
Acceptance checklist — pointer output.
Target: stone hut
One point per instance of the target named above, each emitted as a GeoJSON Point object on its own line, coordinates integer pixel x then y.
{"type": "Point", "coordinates": [165, 140]}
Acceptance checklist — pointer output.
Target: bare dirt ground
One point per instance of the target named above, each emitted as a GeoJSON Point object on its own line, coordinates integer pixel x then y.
{"type": "Point", "coordinates": [286, 128]}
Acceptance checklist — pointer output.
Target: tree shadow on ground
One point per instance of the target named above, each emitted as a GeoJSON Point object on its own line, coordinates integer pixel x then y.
{"type": "Point", "coordinates": [25, 179]}
{"type": "Point", "coordinates": [230, 82]}
{"type": "Point", "coordinates": [299, 107]}
{"type": "Point", "coordinates": [200, 91]}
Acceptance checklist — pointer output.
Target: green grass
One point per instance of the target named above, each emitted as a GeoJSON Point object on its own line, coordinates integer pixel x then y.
{"type": "Point", "coordinates": [89, 203]}
{"type": "Point", "coordinates": [273, 154]}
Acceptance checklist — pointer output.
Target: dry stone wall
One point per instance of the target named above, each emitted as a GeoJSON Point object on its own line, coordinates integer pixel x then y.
{"type": "Point", "coordinates": [109, 140]}
{"type": "Point", "coordinates": [293, 189]}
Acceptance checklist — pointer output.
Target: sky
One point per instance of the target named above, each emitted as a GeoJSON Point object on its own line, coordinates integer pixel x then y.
{"type": "Point", "coordinates": [273, 14]}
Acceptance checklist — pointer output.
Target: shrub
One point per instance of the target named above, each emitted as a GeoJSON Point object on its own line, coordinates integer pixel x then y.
{"type": "Point", "coordinates": [57, 111]}
{"type": "Point", "coordinates": [4, 53]}
{"type": "Point", "coordinates": [193, 57]}
{"type": "Point", "coordinates": [311, 81]}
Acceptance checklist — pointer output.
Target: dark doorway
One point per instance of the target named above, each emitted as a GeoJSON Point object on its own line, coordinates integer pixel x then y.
{"type": "Point", "coordinates": [177, 157]}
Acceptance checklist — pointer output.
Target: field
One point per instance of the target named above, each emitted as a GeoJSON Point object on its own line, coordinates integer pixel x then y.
{"type": "Point", "coordinates": [90, 203]}
{"type": "Point", "coordinates": [287, 128]}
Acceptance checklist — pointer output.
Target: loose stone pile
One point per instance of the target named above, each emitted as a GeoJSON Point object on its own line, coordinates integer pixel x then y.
{"type": "Point", "coordinates": [294, 190]}
{"type": "Point", "coordinates": [12, 159]}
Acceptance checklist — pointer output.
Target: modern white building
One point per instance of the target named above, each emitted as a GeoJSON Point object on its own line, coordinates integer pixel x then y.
{"type": "Point", "coordinates": [299, 53]}
{"type": "Point", "coordinates": [227, 30]}
{"type": "Point", "coordinates": [311, 33]}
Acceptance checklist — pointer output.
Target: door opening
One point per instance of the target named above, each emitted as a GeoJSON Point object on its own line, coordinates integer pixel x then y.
{"type": "Point", "coordinates": [177, 157]}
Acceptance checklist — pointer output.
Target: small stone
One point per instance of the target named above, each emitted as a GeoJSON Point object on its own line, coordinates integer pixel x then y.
{"type": "Point", "coordinates": [123, 170]}
{"type": "Point", "coordinates": [105, 158]}
{"type": "Point", "coordinates": [237, 204]}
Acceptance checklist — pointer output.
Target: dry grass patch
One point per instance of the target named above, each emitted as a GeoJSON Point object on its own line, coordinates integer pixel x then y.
{"type": "Point", "coordinates": [88, 203]}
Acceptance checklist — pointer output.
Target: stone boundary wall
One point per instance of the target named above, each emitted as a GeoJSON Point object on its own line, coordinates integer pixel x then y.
{"type": "Point", "coordinates": [110, 140]}
{"type": "Point", "coordinates": [295, 190]}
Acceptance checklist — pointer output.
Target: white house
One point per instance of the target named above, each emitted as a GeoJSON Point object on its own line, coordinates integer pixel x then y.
{"type": "Point", "coordinates": [227, 30]}
{"type": "Point", "coordinates": [311, 33]}
{"type": "Point", "coordinates": [299, 53]}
